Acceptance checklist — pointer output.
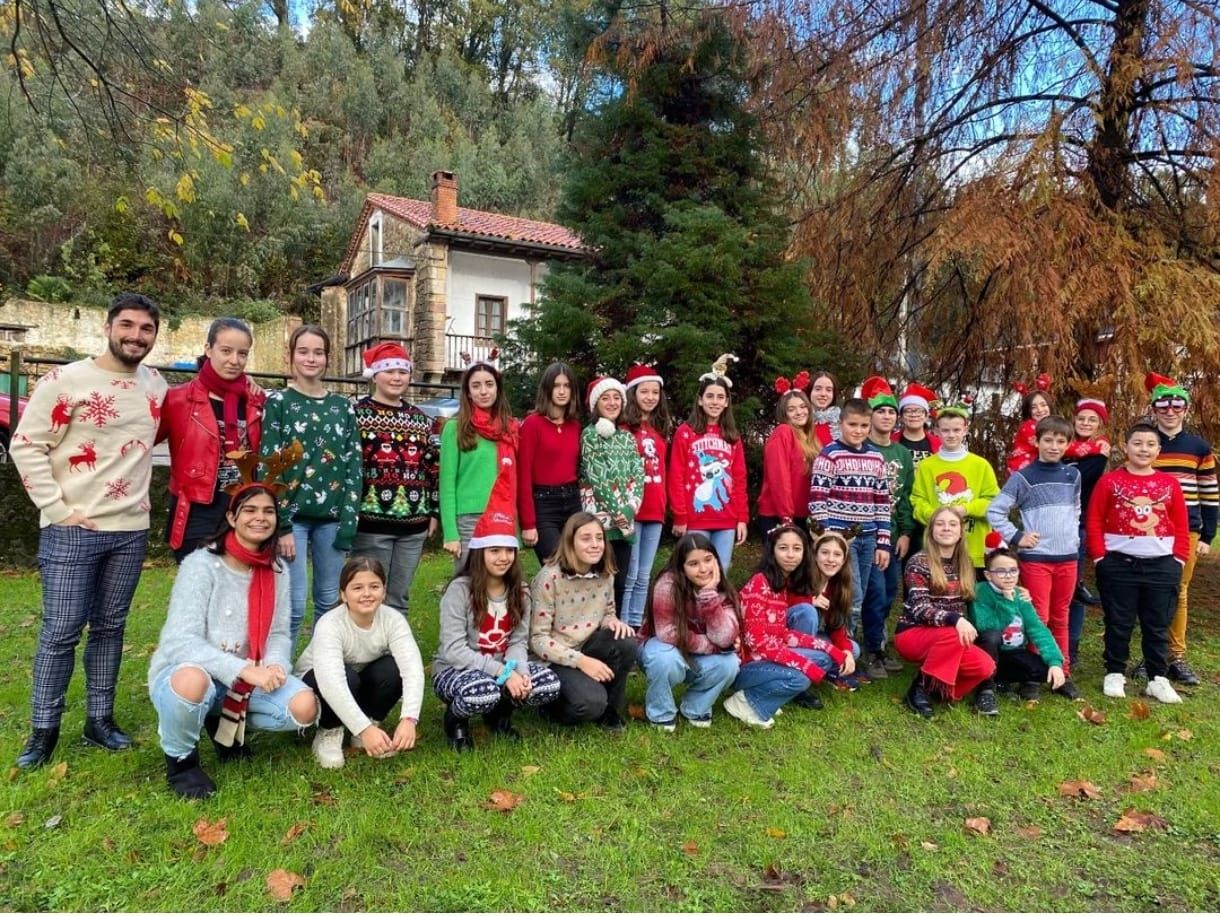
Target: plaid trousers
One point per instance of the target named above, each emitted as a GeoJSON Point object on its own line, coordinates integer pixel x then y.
{"type": "Point", "coordinates": [88, 577]}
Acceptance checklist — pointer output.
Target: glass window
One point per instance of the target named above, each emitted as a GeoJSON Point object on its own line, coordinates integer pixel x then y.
{"type": "Point", "coordinates": [489, 315]}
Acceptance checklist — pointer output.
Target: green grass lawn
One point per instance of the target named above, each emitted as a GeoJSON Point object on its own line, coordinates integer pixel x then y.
{"type": "Point", "coordinates": [859, 806]}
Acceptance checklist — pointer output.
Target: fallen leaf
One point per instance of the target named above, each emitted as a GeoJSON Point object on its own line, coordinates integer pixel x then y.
{"type": "Point", "coordinates": [1030, 832]}
{"type": "Point", "coordinates": [1154, 753]}
{"type": "Point", "coordinates": [16, 819]}
{"type": "Point", "coordinates": [222, 888]}
{"type": "Point", "coordinates": [1185, 734]}
{"type": "Point", "coordinates": [53, 821]}
{"type": "Point", "coordinates": [1142, 782]}
{"type": "Point", "coordinates": [928, 845]}
{"type": "Point", "coordinates": [691, 848]}
{"type": "Point", "coordinates": [282, 883]}
{"type": "Point", "coordinates": [60, 770]}
{"type": "Point", "coordinates": [847, 900]}
{"type": "Point", "coordinates": [1134, 821]}
{"type": "Point", "coordinates": [775, 833]}
{"type": "Point", "coordinates": [636, 711]}
{"type": "Point", "coordinates": [13, 773]}
{"type": "Point", "coordinates": [210, 833]}
{"type": "Point", "coordinates": [1079, 788]}
{"type": "Point", "coordinates": [1139, 711]}
{"type": "Point", "coordinates": [293, 832]}
{"type": "Point", "coordinates": [503, 800]}
{"type": "Point", "coordinates": [832, 902]}
{"type": "Point", "coordinates": [772, 873]}
{"type": "Point", "coordinates": [1091, 715]}
{"type": "Point", "coordinates": [107, 844]}
{"type": "Point", "coordinates": [530, 770]}
{"type": "Point", "coordinates": [324, 798]}
{"type": "Point", "coordinates": [979, 825]}
{"type": "Point", "coordinates": [568, 797]}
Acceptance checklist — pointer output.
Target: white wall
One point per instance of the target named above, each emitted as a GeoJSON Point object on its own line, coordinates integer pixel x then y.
{"type": "Point", "coordinates": [472, 275]}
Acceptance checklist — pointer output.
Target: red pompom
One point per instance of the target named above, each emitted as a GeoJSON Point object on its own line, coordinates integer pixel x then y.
{"type": "Point", "coordinates": [993, 540]}
{"type": "Point", "coordinates": [782, 386]}
{"type": "Point", "coordinates": [801, 380]}
{"type": "Point", "coordinates": [1020, 388]}
{"type": "Point", "coordinates": [1043, 381]}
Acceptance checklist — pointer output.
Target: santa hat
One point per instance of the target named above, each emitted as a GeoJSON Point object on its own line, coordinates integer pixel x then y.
{"type": "Point", "coordinates": [916, 395]}
{"type": "Point", "coordinates": [385, 356]}
{"type": "Point", "coordinates": [640, 373]}
{"type": "Point", "coordinates": [993, 541]}
{"type": "Point", "coordinates": [878, 393]}
{"type": "Point", "coordinates": [599, 386]}
{"type": "Point", "coordinates": [1161, 386]}
{"type": "Point", "coordinates": [497, 526]}
{"type": "Point", "coordinates": [1097, 405]}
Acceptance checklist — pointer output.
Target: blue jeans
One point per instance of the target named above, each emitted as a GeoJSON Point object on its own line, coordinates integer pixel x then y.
{"type": "Point", "coordinates": [315, 541]}
{"type": "Point", "coordinates": [879, 593]}
{"type": "Point", "coordinates": [639, 571]}
{"type": "Point", "coordinates": [860, 554]}
{"type": "Point", "coordinates": [707, 676]}
{"type": "Point", "coordinates": [180, 721]}
{"type": "Point", "coordinates": [722, 542]}
{"type": "Point", "coordinates": [804, 618]}
{"type": "Point", "coordinates": [768, 685]}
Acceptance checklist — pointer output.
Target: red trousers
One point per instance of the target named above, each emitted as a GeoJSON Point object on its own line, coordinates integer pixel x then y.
{"type": "Point", "coordinates": [1051, 586]}
{"type": "Point", "coordinates": [943, 657]}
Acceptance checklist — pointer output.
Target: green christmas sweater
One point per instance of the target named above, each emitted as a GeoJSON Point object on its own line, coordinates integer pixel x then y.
{"type": "Point", "coordinates": [400, 454]}
{"type": "Point", "coordinates": [611, 480]}
{"type": "Point", "coordinates": [900, 471]}
{"type": "Point", "coordinates": [1016, 619]}
{"type": "Point", "coordinates": [324, 486]}
{"type": "Point", "coordinates": [466, 478]}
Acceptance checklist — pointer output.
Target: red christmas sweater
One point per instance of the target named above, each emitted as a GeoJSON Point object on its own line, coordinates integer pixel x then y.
{"type": "Point", "coordinates": [1025, 448]}
{"type": "Point", "coordinates": [785, 483]}
{"type": "Point", "coordinates": [1140, 515]}
{"type": "Point", "coordinates": [654, 451]}
{"type": "Point", "coordinates": [548, 454]}
{"type": "Point", "coordinates": [707, 480]}
{"type": "Point", "coordinates": [766, 637]}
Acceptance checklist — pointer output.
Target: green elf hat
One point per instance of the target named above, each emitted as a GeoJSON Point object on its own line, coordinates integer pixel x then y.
{"type": "Point", "coordinates": [1162, 388]}
{"type": "Point", "coordinates": [878, 393]}
{"type": "Point", "coordinates": [962, 410]}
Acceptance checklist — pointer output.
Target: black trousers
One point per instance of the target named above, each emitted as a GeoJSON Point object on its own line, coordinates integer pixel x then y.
{"type": "Point", "coordinates": [376, 688]}
{"type": "Point", "coordinates": [582, 699]}
{"type": "Point", "coordinates": [552, 507]}
{"type": "Point", "coordinates": [1138, 589]}
{"type": "Point", "coordinates": [1011, 665]}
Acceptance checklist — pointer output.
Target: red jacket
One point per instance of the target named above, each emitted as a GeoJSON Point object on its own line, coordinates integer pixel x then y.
{"type": "Point", "coordinates": [785, 483]}
{"type": "Point", "coordinates": [189, 423]}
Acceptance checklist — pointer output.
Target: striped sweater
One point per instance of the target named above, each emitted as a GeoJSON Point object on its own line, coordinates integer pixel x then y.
{"type": "Point", "coordinates": [1047, 496]}
{"type": "Point", "coordinates": [1190, 460]}
{"type": "Point", "coordinates": [850, 487]}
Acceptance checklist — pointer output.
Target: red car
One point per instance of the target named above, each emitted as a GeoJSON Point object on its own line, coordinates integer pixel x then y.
{"type": "Point", "coordinates": [5, 432]}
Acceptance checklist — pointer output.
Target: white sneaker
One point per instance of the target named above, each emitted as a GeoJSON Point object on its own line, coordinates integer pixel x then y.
{"type": "Point", "coordinates": [1159, 688]}
{"type": "Point", "coordinates": [739, 708]}
{"type": "Point", "coordinates": [328, 748]}
{"type": "Point", "coordinates": [1112, 685]}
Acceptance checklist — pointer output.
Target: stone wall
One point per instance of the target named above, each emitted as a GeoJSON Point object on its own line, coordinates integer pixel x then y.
{"type": "Point", "coordinates": [431, 310]}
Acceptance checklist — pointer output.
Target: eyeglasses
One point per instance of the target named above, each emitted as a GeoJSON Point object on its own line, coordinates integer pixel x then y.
{"type": "Point", "coordinates": [1169, 404]}
{"type": "Point", "coordinates": [1004, 571]}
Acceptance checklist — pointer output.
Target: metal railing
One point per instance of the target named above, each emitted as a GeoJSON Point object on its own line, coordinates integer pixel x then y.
{"type": "Point", "coordinates": [463, 349]}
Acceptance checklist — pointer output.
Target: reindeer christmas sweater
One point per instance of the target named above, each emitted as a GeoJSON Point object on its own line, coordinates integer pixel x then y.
{"type": "Point", "coordinates": [1140, 515]}
{"type": "Point", "coordinates": [707, 480]}
{"type": "Point", "coordinates": [84, 443]}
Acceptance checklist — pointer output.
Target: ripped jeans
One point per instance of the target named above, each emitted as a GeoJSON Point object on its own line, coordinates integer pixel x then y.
{"type": "Point", "coordinates": [180, 722]}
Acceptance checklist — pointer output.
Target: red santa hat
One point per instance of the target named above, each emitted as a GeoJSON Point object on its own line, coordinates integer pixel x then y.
{"type": "Point", "coordinates": [640, 373]}
{"type": "Point", "coordinates": [385, 356]}
{"type": "Point", "coordinates": [916, 395]}
{"type": "Point", "coordinates": [497, 526]}
{"type": "Point", "coordinates": [599, 386]}
{"type": "Point", "coordinates": [993, 541]}
{"type": "Point", "coordinates": [1097, 405]}
{"type": "Point", "coordinates": [878, 393]}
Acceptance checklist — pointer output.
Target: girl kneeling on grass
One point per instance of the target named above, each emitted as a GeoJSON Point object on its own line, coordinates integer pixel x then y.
{"type": "Point", "coordinates": [480, 666]}
{"type": "Point", "coordinates": [574, 628]}
{"type": "Point", "coordinates": [362, 660]}
{"type": "Point", "coordinates": [781, 657]}
{"type": "Point", "coordinates": [934, 629]}
{"type": "Point", "coordinates": [691, 626]}
{"type": "Point", "coordinates": [223, 658]}
{"type": "Point", "coordinates": [1011, 632]}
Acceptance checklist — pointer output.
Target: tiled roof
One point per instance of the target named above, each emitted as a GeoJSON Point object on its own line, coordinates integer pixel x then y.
{"type": "Point", "coordinates": [492, 226]}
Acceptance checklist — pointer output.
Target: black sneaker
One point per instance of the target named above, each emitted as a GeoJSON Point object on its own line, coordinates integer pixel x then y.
{"type": "Point", "coordinates": [917, 699]}
{"type": "Point", "coordinates": [1138, 672]}
{"type": "Point", "coordinates": [612, 722]}
{"type": "Point", "coordinates": [1030, 690]}
{"type": "Point", "coordinates": [1182, 673]}
{"type": "Point", "coordinates": [1069, 691]}
{"type": "Point", "coordinates": [875, 668]}
{"type": "Point", "coordinates": [985, 703]}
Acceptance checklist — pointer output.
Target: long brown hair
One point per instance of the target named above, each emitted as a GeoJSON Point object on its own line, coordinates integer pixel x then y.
{"type": "Point", "coordinates": [480, 578]}
{"type": "Point", "coordinates": [959, 560]}
{"type": "Point", "coordinates": [838, 587]}
{"type": "Point", "coordinates": [684, 590]}
{"type": "Point", "coordinates": [565, 551]}
{"type": "Point", "coordinates": [660, 420]}
{"type": "Point", "coordinates": [501, 412]}
{"type": "Point", "coordinates": [546, 385]}
{"type": "Point", "coordinates": [698, 419]}
{"type": "Point", "coordinates": [806, 436]}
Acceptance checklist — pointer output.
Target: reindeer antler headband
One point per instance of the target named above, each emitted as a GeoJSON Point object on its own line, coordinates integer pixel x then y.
{"type": "Point", "coordinates": [275, 464]}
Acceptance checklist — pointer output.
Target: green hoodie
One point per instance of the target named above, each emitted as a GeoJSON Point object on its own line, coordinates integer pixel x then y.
{"type": "Point", "coordinates": [1016, 619]}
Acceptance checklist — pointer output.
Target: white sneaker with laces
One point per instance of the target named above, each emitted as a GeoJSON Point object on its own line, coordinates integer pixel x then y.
{"type": "Point", "coordinates": [739, 708]}
{"type": "Point", "coordinates": [328, 748]}
{"type": "Point", "coordinates": [1159, 688]}
{"type": "Point", "coordinates": [1112, 685]}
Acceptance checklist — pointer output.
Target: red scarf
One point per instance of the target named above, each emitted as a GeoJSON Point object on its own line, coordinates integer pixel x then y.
{"type": "Point", "coordinates": [231, 393]}
{"type": "Point", "coordinates": [505, 438]}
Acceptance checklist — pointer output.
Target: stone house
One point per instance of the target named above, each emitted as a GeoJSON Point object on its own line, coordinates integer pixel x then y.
{"type": "Point", "coordinates": [443, 279]}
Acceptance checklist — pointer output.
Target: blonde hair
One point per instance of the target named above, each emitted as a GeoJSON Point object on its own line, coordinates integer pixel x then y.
{"type": "Point", "coordinates": [806, 436]}
{"type": "Point", "coordinates": [959, 560]}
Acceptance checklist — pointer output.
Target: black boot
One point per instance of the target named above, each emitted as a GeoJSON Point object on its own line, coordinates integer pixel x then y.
{"type": "Point", "coordinates": [458, 731]}
{"type": "Point", "coordinates": [38, 748]}
{"type": "Point", "coordinates": [105, 733]}
{"type": "Point", "coordinates": [917, 699]}
{"type": "Point", "coordinates": [186, 776]}
{"type": "Point", "coordinates": [225, 753]}
{"type": "Point", "coordinates": [500, 719]}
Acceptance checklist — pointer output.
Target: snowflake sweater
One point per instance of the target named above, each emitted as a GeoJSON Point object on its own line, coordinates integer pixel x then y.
{"type": "Point", "coordinates": [400, 468]}
{"type": "Point", "coordinates": [766, 637]}
{"type": "Point", "coordinates": [653, 450]}
{"type": "Point", "coordinates": [711, 624]}
{"type": "Point", "coordinates": [924, 609]}
{"type": "Point", "coordinates": [1140, 515]}
{"type": "Point", "coordinates": [1016, 619]}
{"type": "Point", "coordinates": [325, 484]}
{"type": "Point", "coordinates": [1190, 460]}
{"type": "Point", "coordinates": [849, 488]}
{"type": "Point", "coordinates": [567, 610]}
{"type": "Point", "coordinates": [960, 479]}
{"type": "Point", "coordinates": [611, 480]}
{"type": "Point", "coordinates": [707, 480]}
{"type": "Point", "coordinates": [84, 442]}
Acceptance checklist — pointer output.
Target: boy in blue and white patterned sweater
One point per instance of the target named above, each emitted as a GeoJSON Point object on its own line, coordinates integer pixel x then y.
{"type": "Point", "coordinates": [1046, 494]}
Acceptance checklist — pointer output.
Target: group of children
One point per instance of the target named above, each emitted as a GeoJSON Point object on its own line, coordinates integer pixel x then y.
{"type": "Point", "coordinates": [850, 492]}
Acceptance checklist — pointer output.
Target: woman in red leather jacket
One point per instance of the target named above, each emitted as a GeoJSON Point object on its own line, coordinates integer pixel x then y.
{"type": "Point", "coordinates": [205, 419]}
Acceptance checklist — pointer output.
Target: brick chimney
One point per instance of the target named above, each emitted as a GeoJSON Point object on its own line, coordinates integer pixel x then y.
{"type": "Point", "coordinates": [444, 198]}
